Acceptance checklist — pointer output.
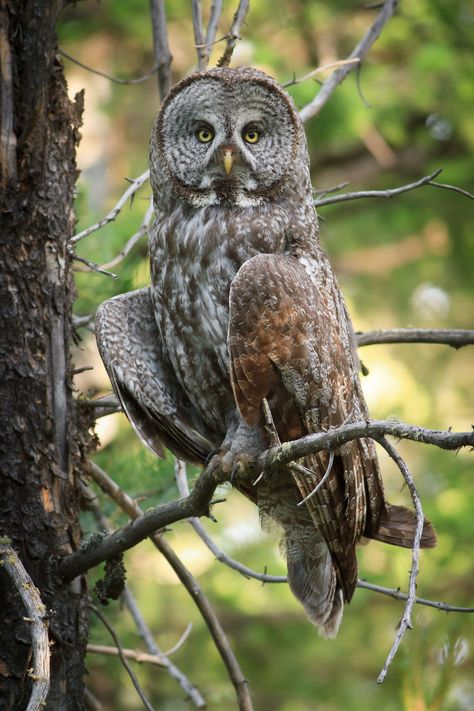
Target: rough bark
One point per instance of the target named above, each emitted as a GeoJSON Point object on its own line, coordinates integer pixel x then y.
{"type": "Point", "coordinates": [41, 436]}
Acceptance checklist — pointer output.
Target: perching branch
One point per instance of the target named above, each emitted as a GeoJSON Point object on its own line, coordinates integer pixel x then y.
{"type": "Point", "coordinates": [234, 33]}
{"type": "Point", "coordinates": [427, 180]}
{"type": "Point", "coordinates": [198, 501]}
{"type": "Point", "coordinates": [38, 621]}
{"type": "Point", "coordinates": [405, 622]}
{"type": "Point", "coordinates": [161, 48]}
{"type": "Point", "coordinates": [315, 106]}
{"type": "Point", "coordinates": [129, 193]}
{"type": "Point", "coordinates": [134, 511]}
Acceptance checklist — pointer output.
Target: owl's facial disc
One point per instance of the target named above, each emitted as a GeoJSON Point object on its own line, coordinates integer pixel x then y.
{"type": "Point", "coordinates": [227, 141]}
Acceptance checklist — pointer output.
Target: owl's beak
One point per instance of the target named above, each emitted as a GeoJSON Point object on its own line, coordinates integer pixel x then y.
{"type": "Point", "coordinates": [228, 159]}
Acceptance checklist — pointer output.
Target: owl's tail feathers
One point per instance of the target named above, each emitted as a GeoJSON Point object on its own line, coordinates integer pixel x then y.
{"type": "Point", "coordinates": [398, 526]}
{"type": "Point", "coordinates": [312, 579]}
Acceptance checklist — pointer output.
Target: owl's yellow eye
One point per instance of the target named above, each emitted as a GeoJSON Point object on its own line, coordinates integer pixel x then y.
{"type": "Point", "coordinates": [251, 135]}
{"type": "Point", "coordinates": [205, 135]}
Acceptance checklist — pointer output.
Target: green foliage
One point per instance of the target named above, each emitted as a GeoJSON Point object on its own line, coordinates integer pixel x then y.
{"type": "Point", "coordinates": [403, 262]}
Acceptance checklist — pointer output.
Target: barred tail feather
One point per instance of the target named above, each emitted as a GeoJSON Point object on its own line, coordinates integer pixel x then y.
{"type": "Point", "coordinates": [312, 579]}
{"type": "Point", "coordinates": [398, 526]}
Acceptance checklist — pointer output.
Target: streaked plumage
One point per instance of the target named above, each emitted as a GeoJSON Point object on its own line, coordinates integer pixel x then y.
{"type": "Point", "coordinates": [243, 305]}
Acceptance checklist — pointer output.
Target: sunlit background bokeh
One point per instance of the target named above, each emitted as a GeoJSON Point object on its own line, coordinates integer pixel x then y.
{"type": "Point", "coordinates": [403, 262]}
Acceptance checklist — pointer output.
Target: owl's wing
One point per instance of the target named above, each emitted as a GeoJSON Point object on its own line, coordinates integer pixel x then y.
{"type": "Point", "coordinates": [290, 341]}
{"type": "Point", "coordinates": [143, 380]}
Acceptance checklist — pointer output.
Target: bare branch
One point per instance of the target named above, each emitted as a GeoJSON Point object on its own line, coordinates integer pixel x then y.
{"type": "Point", "coordinates": [91, 504]}
{"type": "Point", "coordinates": [37, 618]}
{"type": "Point", "coordinates": [161, 48]}
{"type": "Point", "coordinates": [234, 33]}
{"type": "Point", "coordinates": [135, 654]}
{"type": "Point", "coordinates": [183, 488]}
{"type": "Point", "coordinates": [320, 70]}
{"type": "Point", "coordinates": [377, 193]}
{"type": "Point", "coordinates": [212, 26]}
{"type": "Point", "coordinates": [198, 34]}
{"type": "Point", "coordinates": [129, 193]}
{"type": "Point", "coordinates": [455, 337]}
{"type": "Point", "coordinates": [398, 595]}
{"type": "Point", "coordinates": [132, 241]}
{"type": "Point", "coordinates": [91, 266]}
{"type": "Point", "coordinates": [198, 501]}
{"type": "Point", "coordinates": [123, 659]}
{"type": "Point", "coordinates": [361, 194]}
{"type": "Point", "coordinates": [115, 80]}
{"type": "Point", "coordinates": [315, 106]}
{"type": "Point", "coordinates": [197, 594]}
{"type": "Point", "coordinates": [405, 622]}
{"type": "Point", "coordinates": [188, 687]}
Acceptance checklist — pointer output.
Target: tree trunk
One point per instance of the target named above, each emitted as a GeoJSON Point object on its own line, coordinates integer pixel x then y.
{"type": "Point", "coordinates": [41, 437]}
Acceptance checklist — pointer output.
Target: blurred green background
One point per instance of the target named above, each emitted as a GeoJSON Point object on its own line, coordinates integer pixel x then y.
{"type": "Point", "coordinates": [404, 262]}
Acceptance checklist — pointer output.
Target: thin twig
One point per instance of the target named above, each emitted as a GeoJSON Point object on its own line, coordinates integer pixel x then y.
{"type": "Point", "coordinates": [132, 241]}
{"type": "Point", "coordinates": [212, 26]}
{"type": "Point", "coordinates": [183, 488]}
{"type": "Point", "coordinates": [398, 595]}
{"type": "Point", "coordinates": [315, 106]}
{"type": "Point", "coordinates": [234, 33]}
{"type": "Point", "coordinates": [320, 70]}
{"type": "Point", "coordinates": [198, 34]}
{"type": "Point", "coordinates": [38, 623]}
{"type": "Point", "coordinates": [115, 80]}
{"type": "Point", "coordinates": [161, 48]}
{"type": "Point", "coordinates": [358, 195]}
{"type": "Point", "coordinates": [129, 193]}
{"type": "Point", "coordinates": [122, 656]}
{"type": "Point", "coordinates": [135, 654]}
{"type": "Point", "coordinates": [90, 501]}
{"type": "Point", "coordinates": [188, 687]}
{"type": "Point", "coordinates": [91, 266]}
{"type": "Point", "coordinates": [455, 337]}
{"type": "Point", "coordinates": [321, 482]}
{"type": "Point", "coordinates": [405, 623]}
{"type": "Point", "coordinates": [362, 194]}
{"type": "Point", "coordinates": [222, 644]}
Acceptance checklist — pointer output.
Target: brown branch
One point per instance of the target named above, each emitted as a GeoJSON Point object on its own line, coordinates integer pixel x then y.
{"type": "Point", "coordinates": [315, 106]}
{"type": "Point", "coordinates": [115, 80]}
{"type": "Point", "coordinates": [123, 659]}
{"type": "Point", "coordinates": [405, 623]}
{"type": "Point", "coordinates": [134, 511]}
{"type": "Point", "coordinates": [457, 338]}
{"type": "Point", "coordinates": [129, 193]}
{"type": "Point", "coordinates": [234, 33]}
{"type": "Point", "coordinates": [37, 618]}
{"type": "Point", "coordinates": [161, 48]}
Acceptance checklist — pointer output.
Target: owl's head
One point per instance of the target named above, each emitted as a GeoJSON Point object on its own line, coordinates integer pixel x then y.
{"type": "Point", "coordinates": [226, 135]}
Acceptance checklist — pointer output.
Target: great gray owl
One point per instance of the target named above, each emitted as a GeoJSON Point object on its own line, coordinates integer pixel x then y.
{"type": "Point", "coordinates": [243, 305]}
